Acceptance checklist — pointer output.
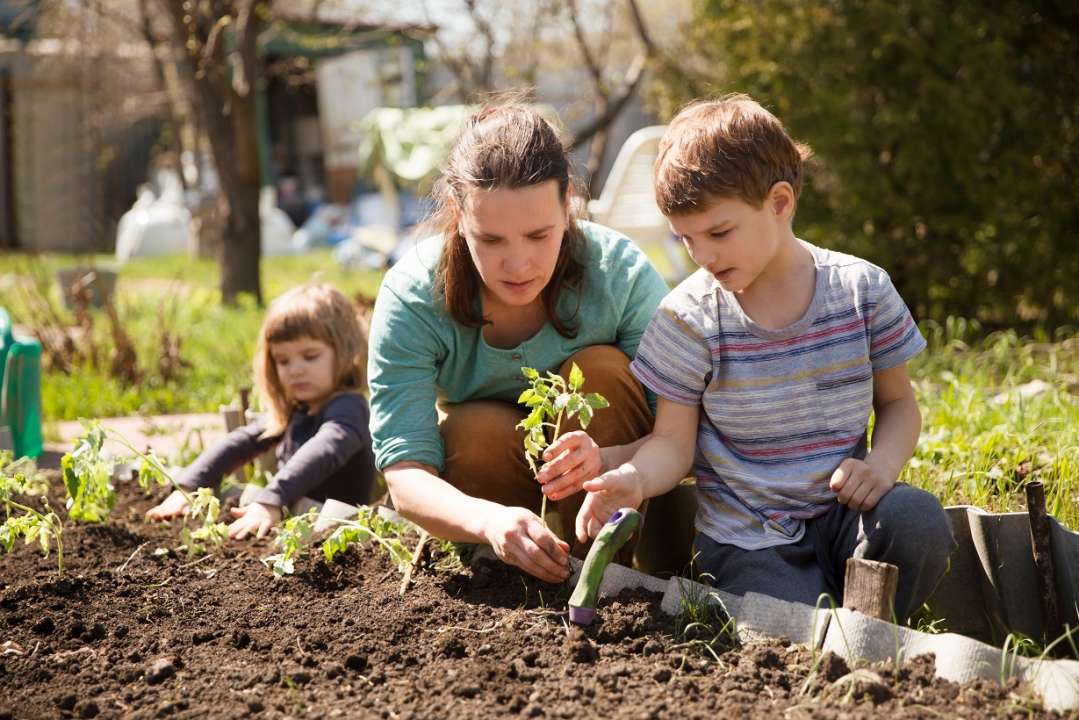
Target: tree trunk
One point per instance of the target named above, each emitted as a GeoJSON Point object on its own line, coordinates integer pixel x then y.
{"type": "Point", "coordinates": [241, 246]}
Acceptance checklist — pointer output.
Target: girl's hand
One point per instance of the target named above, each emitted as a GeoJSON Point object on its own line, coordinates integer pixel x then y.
{"type": "Point", "coordinates": [607, 494]}
{"type": "Point", "coordinates": [174, 505]}
{"type": "Point", "coordinates": [519, 538]}
{"type": "Point", "coordinates": [571, 460]}
{"type": "Point", "coordinates": [255, 519]}
{"type": "Point", "coordinates": [859, 485]}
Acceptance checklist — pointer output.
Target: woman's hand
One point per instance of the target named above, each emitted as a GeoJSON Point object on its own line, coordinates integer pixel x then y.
{"type": "Point", "coordinates": [607, 494]}
{"type": "Point", "coordinates": [570, 461]}
{"type": "Point", "coordinates": [174, 505]}
{"type": "Point", "coordinates": [255, 519]}
{"type": "Point", "coordinates": [519, 538]}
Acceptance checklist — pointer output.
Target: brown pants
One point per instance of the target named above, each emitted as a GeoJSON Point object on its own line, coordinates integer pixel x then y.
{"type": "Point", "coordinates": [485, 456]}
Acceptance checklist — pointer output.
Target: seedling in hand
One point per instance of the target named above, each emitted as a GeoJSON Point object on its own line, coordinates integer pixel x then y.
{"type": "Point", "coordinates": [552, 400]}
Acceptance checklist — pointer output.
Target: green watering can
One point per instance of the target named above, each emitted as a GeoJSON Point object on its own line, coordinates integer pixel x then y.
{"type": "Point", "coordinates": [20, 391]}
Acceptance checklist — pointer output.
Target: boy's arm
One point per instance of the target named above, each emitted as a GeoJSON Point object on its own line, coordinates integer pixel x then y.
{"type": "Point", "coordinates": [660, 463]}
{"type": "Point", "coordinates": [861, 484]}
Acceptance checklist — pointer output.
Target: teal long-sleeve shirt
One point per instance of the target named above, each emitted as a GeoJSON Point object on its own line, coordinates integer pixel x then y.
{"type": "Point", "coordinates": [418, 354]}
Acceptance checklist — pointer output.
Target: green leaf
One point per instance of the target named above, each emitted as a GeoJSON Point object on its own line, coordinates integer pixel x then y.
{"type": "Point", "coordinates": [585, 416]}
{"type": "Point", "coordinates": [560, 402]}
{"type": "Point", "coordinates": [526, 395]}
{"type": "Point", "coordinates": [576, 378]}
{"type": "Point", "coordinates": [530, 373]}
{"type": "Point", "coordinates": [596, 401]}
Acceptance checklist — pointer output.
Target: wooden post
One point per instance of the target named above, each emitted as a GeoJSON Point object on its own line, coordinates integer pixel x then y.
{"type": "Point", "coordinates": [869, 587]}
{"type": "Point", "coordinates": [1043, 561]}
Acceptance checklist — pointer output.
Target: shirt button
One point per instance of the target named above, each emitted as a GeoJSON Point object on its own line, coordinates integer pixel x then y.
{"type": "Point", "coordinates": [517, 356]}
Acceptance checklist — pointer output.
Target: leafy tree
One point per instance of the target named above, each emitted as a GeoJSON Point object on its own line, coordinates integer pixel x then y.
{"type": "Point", "coordinates": [946, 136]}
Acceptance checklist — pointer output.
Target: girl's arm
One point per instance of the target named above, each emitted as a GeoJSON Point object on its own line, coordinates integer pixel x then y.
{"type": "Point", "coordinates": [342, 434]}
{"type": "Point", "coordinates": [860, 484]}
{"type": "Point", "coordinates": [516, 534]}
{"type": "Point", "coordinates": [660, 462]}
{"type": "Point", "coordinates": [240, 446]}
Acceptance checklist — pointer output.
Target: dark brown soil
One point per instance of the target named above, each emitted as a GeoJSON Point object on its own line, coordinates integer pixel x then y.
{"type": "Point", "coordinates": [168, 636]}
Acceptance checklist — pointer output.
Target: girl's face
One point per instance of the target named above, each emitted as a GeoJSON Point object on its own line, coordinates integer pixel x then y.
{"type": "Point", "coordinates": [514, 236]}
{"type": "Point", "coordinates": [305, 367]}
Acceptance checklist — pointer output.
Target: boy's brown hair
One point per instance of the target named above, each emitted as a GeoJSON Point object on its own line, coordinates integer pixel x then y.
{"type": "Point", "coordinates": [319, 312]}
{"type": "Point", "coordinates": [726, 148]}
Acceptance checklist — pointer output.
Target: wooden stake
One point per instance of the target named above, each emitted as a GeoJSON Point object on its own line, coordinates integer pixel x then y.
{"type": "Point", "coordinates": [424, 537]}
{"type": "Point", "coordinates": [1043, 561]}
{"type": "Point", "coordinates": [869, 587]}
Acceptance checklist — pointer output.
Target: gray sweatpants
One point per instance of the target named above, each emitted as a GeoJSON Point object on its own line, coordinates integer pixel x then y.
{"type": "Point", "coordinates": [907, 528]}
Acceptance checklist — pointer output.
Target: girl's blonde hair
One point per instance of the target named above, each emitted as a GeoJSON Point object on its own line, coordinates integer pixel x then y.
{"type": "Point", "coordinates": [319, 312]}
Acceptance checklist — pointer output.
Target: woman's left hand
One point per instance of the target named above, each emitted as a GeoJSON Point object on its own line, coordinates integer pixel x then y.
{"type": "Point", "coordinates": [572, 459]}
{"type": "Point", "coordinates": [255, 519]}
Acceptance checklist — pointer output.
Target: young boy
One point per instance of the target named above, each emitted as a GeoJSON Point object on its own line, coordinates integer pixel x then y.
{"type": "Point", "coordinates": [767, 362]}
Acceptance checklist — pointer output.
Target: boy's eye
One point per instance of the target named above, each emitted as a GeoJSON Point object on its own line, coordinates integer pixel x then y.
{"type": "Point", "coordinates": [719, 234]}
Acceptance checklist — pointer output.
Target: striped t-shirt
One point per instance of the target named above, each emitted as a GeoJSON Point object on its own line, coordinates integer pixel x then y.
{"type": "Point", "coordinates": [780, 408]}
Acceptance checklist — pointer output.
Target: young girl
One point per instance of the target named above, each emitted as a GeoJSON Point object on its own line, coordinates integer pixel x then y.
{"type": "Point", "coordinates": [309, 367]}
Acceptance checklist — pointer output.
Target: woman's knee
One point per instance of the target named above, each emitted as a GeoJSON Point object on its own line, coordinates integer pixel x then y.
{"type": "Point", "coordinates": [481, 439]}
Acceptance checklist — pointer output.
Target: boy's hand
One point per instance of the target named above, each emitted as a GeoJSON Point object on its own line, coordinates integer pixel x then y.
{"type": "Point", "coordinates": [255, 519]}
{"type": "Point", "coordinates": [174, 505]}
{"type": "Point", "coordinates": [519, 538]}
{"type": "Point", "coordinates": [570, 461]}
{"type": "Point", "coordinates": [859, 485]}
{"type": "Point", "coordinates": [610, 492]}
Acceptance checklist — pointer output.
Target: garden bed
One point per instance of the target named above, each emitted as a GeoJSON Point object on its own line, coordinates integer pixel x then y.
{"type": "Point", "coordinates": [133, 631]}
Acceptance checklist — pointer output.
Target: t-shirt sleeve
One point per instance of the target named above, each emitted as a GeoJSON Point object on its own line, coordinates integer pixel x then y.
{"type": "Point", "coordinates": [645, 294]}
{"type": "Point", "coordinates": [894, 338]}
{"type": "Point", "coordinates": [403, 362]}
{"type": "Point", "coordinates": [673, 359]}
{"type": "Point", "coordinates": [342, 433]}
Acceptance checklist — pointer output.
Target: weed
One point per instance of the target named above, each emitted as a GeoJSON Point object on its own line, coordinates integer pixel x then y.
{"type": "Point", "coordinates": [553, 399]}
{"type": "Point", "coordinates": [703, 622]}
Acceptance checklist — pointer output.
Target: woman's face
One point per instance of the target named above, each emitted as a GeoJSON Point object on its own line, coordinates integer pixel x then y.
{"type": "Point", "coordinates": [514, 237]}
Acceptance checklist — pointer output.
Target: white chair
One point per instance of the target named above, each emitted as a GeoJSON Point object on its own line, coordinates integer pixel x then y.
{"type": "Point", "coordinates": [628, 201]}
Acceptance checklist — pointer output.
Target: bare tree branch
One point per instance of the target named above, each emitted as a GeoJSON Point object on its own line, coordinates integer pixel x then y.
{"type": "Point", "coordinates": [614, 107]}
{"type": "Point", "coordinates": [590, 63]}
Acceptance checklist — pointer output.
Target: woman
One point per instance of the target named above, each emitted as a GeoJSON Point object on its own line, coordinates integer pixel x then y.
{"type": "Point", "coordinates": [513, 280]}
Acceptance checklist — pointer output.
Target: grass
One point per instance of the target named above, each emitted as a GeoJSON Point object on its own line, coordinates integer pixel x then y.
{"type": "Point", "coordinates": [178, 294]}
{"type": "Point", "coordinates": [981, 438]}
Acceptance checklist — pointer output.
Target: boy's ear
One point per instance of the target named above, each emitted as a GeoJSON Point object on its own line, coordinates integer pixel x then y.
{"type": "Point", "coordinates": [781, 198]}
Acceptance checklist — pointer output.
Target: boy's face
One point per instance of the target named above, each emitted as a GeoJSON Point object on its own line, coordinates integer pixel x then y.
{"type": "Point", "coordinates": [734, 240]}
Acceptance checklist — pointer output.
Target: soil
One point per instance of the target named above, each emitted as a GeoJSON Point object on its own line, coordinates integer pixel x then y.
{"type": "Point", "coordinates": [134, 631]}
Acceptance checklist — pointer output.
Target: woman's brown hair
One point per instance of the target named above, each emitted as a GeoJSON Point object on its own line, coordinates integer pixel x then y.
{"type": "Point", "coordinates": [319, 312]}
{"type": "Point", "coordinates": [502, 146]}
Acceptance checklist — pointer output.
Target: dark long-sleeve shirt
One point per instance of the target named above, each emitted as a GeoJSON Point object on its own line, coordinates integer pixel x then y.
{"type": "Point", "coordinates": [325, 455]}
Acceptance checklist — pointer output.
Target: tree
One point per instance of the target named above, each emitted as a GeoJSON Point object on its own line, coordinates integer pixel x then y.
{"type": "Point", "coordinates": [216, 46]}
{"type": "Point", "coordinates": [946, 134]}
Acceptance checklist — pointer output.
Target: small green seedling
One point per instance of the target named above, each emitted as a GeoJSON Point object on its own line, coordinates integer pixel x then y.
{"type": "Point", "coordinates": [296, 532]}
{"type": "Point", "coordinates": [204, 505]}
{"type": "Point", "coordinates": [369, 525]}
{"type": "Point", "coordinates": [551, 400]}
{"type": "Point", "coordinates": [88, 478]}
{"type": "Point", "coordinates": [20, 478]}
{"type": "Point", "coordinates": [293, 535]}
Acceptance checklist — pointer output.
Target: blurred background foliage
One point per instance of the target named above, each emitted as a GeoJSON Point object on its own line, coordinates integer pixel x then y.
{"type": "Point", "coordinates": [946, 138]}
